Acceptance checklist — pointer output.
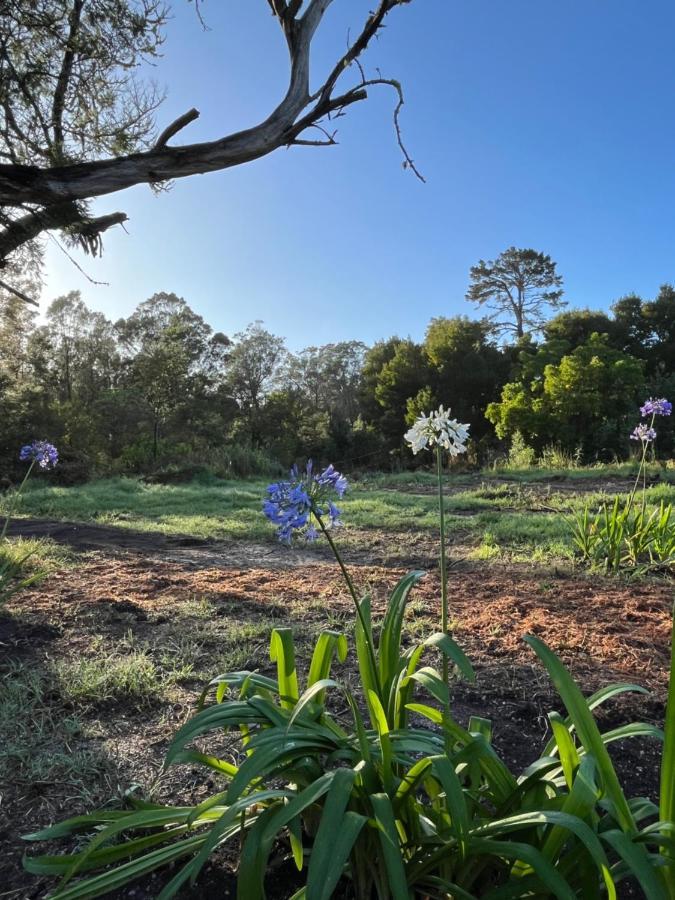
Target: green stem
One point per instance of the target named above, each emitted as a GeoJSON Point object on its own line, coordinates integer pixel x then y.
{"type": "Point", "coordinates": [642, 471]}
{"type": "Point", "coordinates": [15, 499]}
{"type": "Point", "coordinates": [350, 586]}
{"type": "Point", "coordinates": [444, 568]}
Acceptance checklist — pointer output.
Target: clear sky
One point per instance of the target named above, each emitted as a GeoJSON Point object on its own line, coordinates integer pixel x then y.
{"type": "Point", "coordinates": [536, 123]}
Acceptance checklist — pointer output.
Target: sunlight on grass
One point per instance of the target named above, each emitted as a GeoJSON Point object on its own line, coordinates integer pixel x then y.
{"type": "Point", "coordinates": [516, 518]}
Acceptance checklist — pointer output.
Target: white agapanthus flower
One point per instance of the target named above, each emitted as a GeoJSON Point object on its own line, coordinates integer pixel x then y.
{"type": "Point", "coordinates": [438, 428]}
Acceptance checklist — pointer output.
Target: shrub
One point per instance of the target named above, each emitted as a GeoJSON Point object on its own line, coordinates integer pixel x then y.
{"type": "Point", "coordinates": [520, 455]}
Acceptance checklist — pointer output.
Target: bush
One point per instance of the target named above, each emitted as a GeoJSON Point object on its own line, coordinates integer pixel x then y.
{"type": "Point", "coordinates": [520, 455]}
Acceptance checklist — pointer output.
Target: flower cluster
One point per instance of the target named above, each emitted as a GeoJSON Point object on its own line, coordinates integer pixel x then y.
{"type": "Point", "coordinates": [438, 428]}
{"type": "Point", "coordinates": [646, 433]}
{"type": "Point", "coordinates": [643, 432]}
{"type": "Point", "coordinates": [44, 454]}
{"type": "Point", "coordinates": [291, 505]}
{"type": "Point", "coordinates": [653, 407]}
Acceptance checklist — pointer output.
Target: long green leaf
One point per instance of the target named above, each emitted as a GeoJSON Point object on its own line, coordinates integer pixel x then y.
{"type": "Point", "coordinates": [587, 729]}
{"type": "Point", "coordinates": [335, 838]}
{"type": "Point", "coordinates": [329, 644]}
{"type": "Point", "coordinates": [392, 626]}
{"type": "Point", "coordinates": [391, 846]}
{"type": "Point", "coordinates": [667, 792]}
{"type": "Point", "coordinates": [637, 860]}
{"type": "Point", "coordinates": [282, 652]}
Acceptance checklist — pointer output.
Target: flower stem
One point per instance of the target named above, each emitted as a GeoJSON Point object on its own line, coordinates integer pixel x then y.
{"type": "Point", "coordinates": [14, 501]}
{"type": "Point", "coordinates": [352, 589]}
{"type": "Point", "coordinates": [642, 471]}
{"type": "Point", "coordinates": [444, 568]}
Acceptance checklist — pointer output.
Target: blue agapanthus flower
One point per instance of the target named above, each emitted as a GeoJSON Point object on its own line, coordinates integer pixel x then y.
{"type": "Point", "coordinates": [293, 506]}
{"type": "Point", "coordinates": [653, 407]}
{"type": "Point", "coordinates": [41, 452]}
{"type": "Point", "coordinates": [644, 433]}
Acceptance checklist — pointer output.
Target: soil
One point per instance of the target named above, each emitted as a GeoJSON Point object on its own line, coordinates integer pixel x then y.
{"type": "Point", "coordinates": [146, 584]}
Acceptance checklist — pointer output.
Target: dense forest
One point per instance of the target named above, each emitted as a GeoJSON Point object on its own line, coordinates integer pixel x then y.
{"type": "Point", "coordinates": [161, 392]}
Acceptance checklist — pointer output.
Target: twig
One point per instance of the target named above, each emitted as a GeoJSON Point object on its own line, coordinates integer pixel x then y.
{"type": "Point", "coordinates": [77, 265]}
{"type": "Point", "coordinates": [176, 126]}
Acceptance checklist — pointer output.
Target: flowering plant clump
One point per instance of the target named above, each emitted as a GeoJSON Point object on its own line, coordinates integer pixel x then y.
{"type": "Point", "coordinates": [46, 456]}
{"type": "Point", "coordinates": [437, 429]}
{"type": "Point", "coordinates": [293, 505]}
{"type": "Point", "coordinates": [41, 452]}
{"type": "Point", "coordinates": [626, 533]}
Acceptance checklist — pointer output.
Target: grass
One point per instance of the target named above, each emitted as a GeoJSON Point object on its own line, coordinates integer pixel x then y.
{"type": "Point", "coordinates": [129, 671]}
{"type": "Point", "coordinates": [513, 517]}
{"type": "Point", "coordinates": [44, 743]}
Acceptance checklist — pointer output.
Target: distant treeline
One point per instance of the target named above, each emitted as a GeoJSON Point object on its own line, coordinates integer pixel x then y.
{"type": "Point", "coordinates": [161, 392]}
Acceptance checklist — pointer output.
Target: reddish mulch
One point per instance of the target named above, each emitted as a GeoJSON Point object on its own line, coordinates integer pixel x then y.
{"type": "Point", "coordinates": [602, 628]}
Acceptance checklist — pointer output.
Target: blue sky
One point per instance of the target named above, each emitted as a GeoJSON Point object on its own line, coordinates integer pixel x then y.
{"type": "Point", "coordinates": [537, 124]}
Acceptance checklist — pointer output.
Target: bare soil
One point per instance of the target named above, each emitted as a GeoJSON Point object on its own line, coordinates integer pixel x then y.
{"type": "Point", "coordinates": [146, 585]}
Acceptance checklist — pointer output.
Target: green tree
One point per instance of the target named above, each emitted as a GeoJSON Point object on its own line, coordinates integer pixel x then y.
{"type": "Point", "coordinates": [586, 398]}
{"type": "Point", "coordinates": [518, 287]}
{"type": "Point", "coordinates": [399, 380]}
{"type": "Point", "coordinates": [172, 358]}
{"type": "Point", "coordinates": [575, 326]}
{"type": "Point", "coordinates": [467, 370]}
{"type": "Point", "coordinates": [255, 367]}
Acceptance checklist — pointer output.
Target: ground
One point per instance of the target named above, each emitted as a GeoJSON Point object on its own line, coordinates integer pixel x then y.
{"type": "Point", "coordinates": [158, 588]}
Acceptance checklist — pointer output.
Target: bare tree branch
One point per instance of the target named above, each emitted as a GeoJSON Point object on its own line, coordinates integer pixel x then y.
{"type": "Point", "coordinates": [61, 215]}
{"type": "Point", "coordinates": [57, 191]}
{"type": "Point", "coordinates": [18, 293]}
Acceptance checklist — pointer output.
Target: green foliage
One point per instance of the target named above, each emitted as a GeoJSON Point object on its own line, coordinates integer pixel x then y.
{"type": "Point", "coordinates": [520, 455]}
{"type": "Point", "coordinates": [580, 398]}
{"type": "Point", "coordinates": [623, 535]}
{"type": "Point", "coordinates": [13, 570]}
{"type": "Point", "coordinates": [399, 808]}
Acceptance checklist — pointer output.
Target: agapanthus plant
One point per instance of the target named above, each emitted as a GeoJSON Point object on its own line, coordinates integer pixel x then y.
{"type": "Point", "coordinates": [623, 533]}
{"type": "Point", "coordinates": [45, 456]}
{"type": "Point", "coordinates": [40, 453]}
{"type": "Point", "coordinates": [653, 407]}
{"type": "Point", "coordinates": [439, 430]}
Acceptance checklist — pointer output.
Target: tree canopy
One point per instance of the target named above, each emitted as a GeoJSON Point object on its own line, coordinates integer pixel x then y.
{"type": "Point", "coordinates": [518, 287]}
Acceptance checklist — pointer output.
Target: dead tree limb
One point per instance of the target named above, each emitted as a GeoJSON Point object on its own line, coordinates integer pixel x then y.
{"type": "Point", "coordinates": [55, 194]}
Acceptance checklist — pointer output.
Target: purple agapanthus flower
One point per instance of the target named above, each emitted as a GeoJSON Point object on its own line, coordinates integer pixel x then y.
{"type": "Point", "coordinates": [653, 407]}
{"type": "Point", "coordinates": [41, 452]}
{"type": "Point", "coordinates": [643, 433]}
{"type": "Point", "coordinates": [291, 505]}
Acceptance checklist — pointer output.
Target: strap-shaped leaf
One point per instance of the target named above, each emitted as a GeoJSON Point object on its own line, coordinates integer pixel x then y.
{"type": "Point", "coordinates": [390, 844]}
{"type": "Point", "coordinates": [392, 626]}
{"type": "Point", "coordinates": [329, 644]}
{"type": "Point", "coordinates": [587, 729]}
{"type": "Point", "coordinates": [637, 860]}
{"type": "Point", "coordinates": [282, 652]}
{"type": "Point", "coordinates": [335, 838]}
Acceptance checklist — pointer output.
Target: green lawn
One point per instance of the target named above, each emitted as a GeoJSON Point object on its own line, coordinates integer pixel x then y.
{"type": "Point", "coordinates": [491, 515]}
